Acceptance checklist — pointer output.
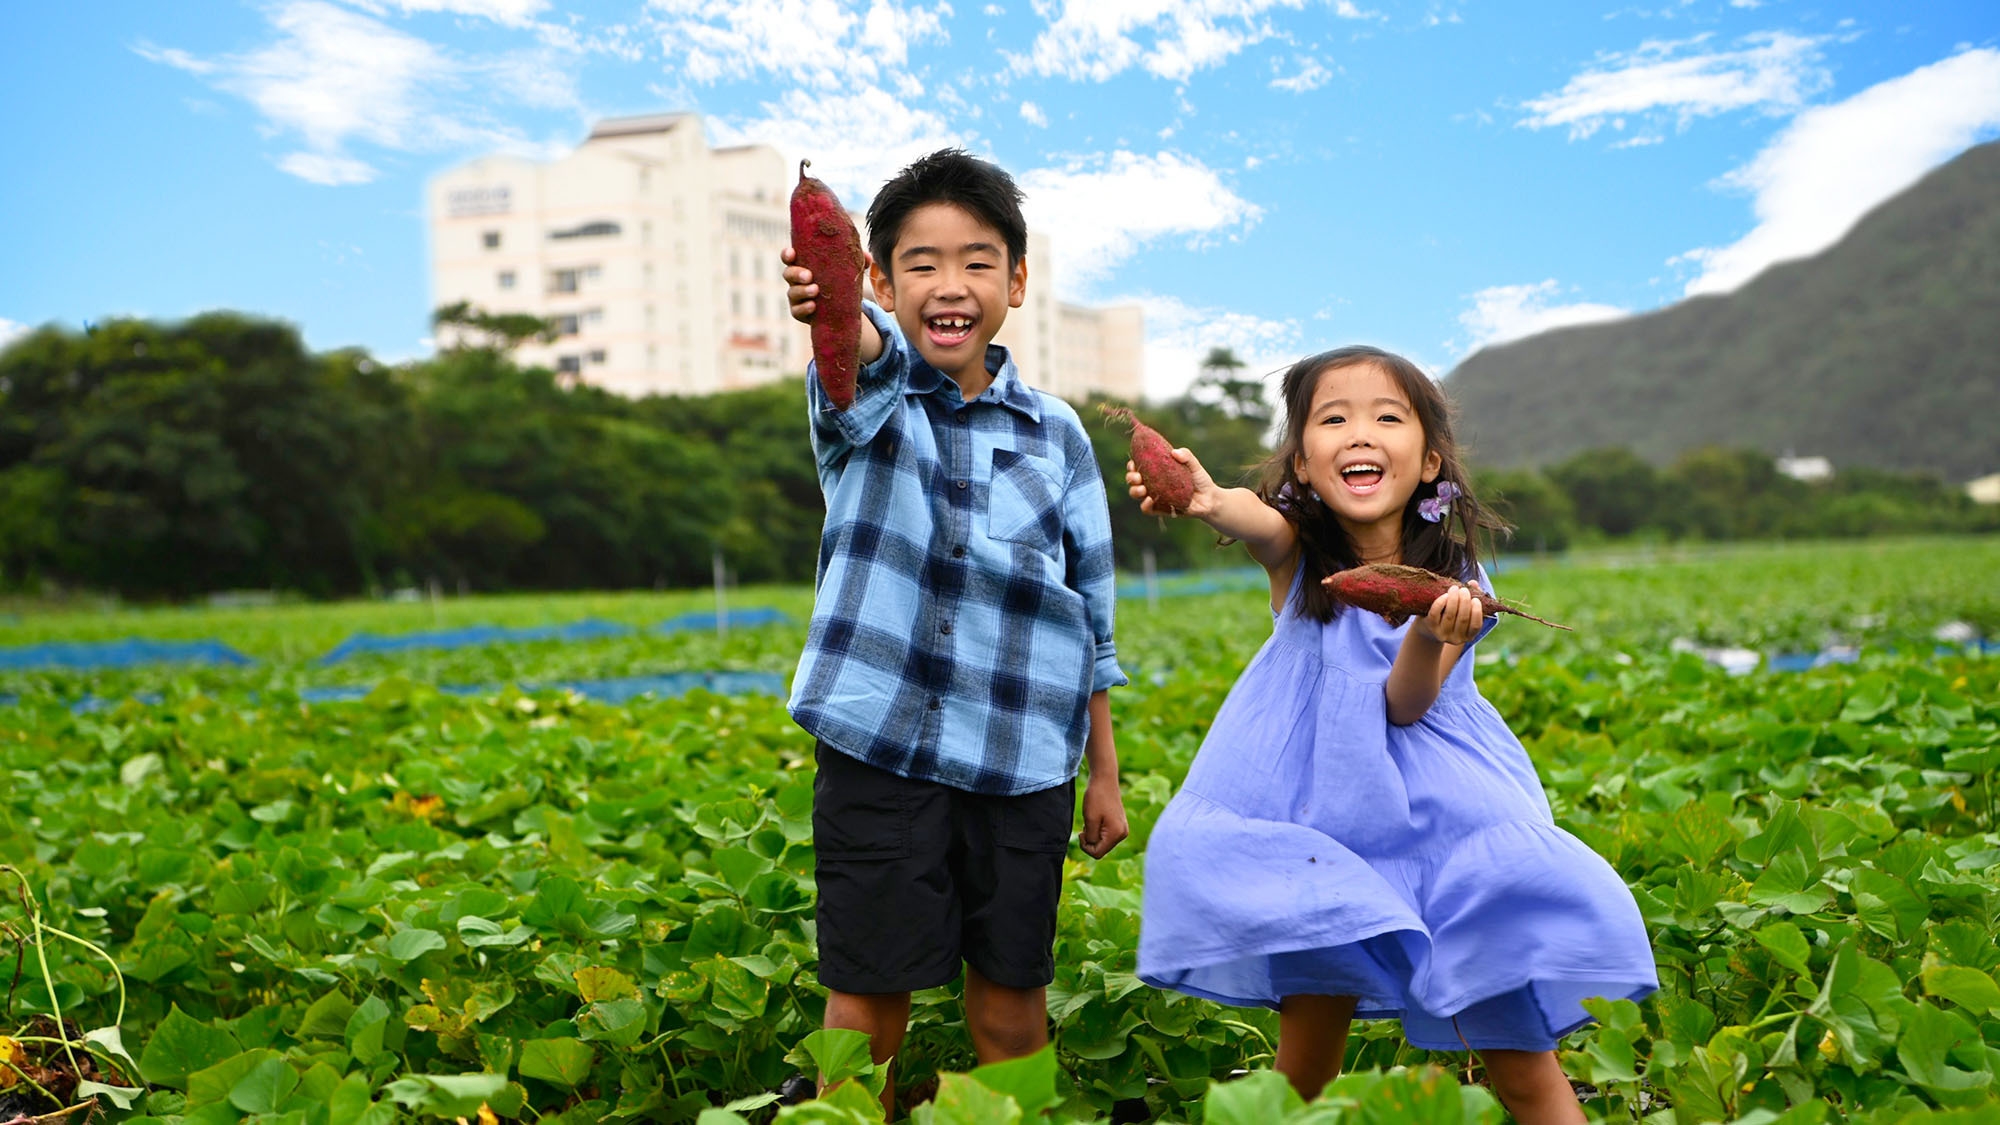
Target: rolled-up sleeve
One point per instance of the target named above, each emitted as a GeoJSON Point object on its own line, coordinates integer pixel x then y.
{"type": "Point", "coordinates": [1093, 571]}
{"type": "Point", "coordinates": [878, 388]}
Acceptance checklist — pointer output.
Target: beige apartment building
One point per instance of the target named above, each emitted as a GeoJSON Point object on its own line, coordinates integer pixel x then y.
{"type": "Point", "coordinates": [657, 258]}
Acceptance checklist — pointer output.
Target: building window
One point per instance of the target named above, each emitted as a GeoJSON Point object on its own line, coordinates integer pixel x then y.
{"type": "Point", "coordinates": [599, 228]}
{"type": "Point", "coordinates": [652, 356]}
{"type": "Point", "coordinates": [491, 239]}
{"type": "Point", "coordinates": [506, 279]}
{"type": "Point", "coordinates": [735, 264]}
{"type": "Point", "coordinates": [593, 316]}
{"type": "Point", "coordinates": [736, 304]}
{"type": "Point", "coordinates": [597, 355]}
{"type": "Point", "coordinates": [562, 281]}
{"type": "Point", "coordinates": [649, 318]}
{"type": "Point", "coordinates": [592, 273]}
{"type": "Point", "coordinates": [565, 324]}
{"type": "Point", "coordinates": [648, 272]}
{"type": "Point", "coordinates": [760, 306]}
{"type": "Point", "coordinates": [569, 365]}
{"type": "Point", "coordinates": [646, 232]}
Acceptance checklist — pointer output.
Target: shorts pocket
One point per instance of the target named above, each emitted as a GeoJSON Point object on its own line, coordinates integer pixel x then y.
{"type": "Point", "coordinates": [1039, 822]}
{"type": "Point", "coordinates": [1023, 501]}
{"type": "Point", "coordinates": [859, 811]}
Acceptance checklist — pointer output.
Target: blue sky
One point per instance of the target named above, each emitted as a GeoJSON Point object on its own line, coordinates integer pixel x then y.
{"type": "Point", "coordinates": [1277, 176]}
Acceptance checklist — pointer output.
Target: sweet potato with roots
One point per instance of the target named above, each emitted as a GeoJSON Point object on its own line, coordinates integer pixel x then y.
{"type": "Point", "coordinates": [1399, 593]}
{"type": "Point", "coordinates": [824, 241]}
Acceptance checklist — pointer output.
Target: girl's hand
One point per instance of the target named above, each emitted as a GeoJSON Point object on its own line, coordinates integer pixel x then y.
{"type": "Point", "coordinates": [801, 290]}
{"type": "Point", "coordinates": [1201, 504]}
{"type": "Point", "coordinates": [1455, 617]}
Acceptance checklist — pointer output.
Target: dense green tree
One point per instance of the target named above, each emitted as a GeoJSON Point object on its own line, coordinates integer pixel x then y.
{"type": "Point", "coordinates": [1541, 514]}
{"type": "Point", "coordinates": [1613, 490]}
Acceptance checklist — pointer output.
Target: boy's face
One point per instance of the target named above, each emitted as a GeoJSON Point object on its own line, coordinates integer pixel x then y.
{"type": "Point", "coordinates": [949, 286]}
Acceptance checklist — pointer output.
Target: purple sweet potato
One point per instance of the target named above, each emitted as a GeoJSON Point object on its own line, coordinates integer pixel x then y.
{"type": "Point", "coordinates": [824, 241]}
{"type": "Point", "coordinates": [1169, 483]}
{"type": "Point", "coordinates": [1399, 593]}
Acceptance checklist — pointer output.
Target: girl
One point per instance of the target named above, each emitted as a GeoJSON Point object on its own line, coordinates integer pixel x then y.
{"type": "Point", "coordinates": [1361, 835]}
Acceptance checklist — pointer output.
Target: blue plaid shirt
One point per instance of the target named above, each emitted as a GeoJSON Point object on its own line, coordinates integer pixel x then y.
{"type": "Point", "coordinates": [962, 618]}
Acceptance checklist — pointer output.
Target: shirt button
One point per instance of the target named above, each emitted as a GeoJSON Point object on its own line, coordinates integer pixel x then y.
{"type": "Point", "coordinates": [958, 552]}
{"type": "Point", "coordinates": [961, 415]}
{"type": "Point", "coordinates": [961, 484]}
{"type": "Point", "coordinates": [945, 628]}
{"type": "Point", "coordinates": [935, 704]}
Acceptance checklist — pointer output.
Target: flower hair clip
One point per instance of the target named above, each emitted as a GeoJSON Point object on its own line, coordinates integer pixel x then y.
{"type": "Point", "coordinates": [1438, 507]}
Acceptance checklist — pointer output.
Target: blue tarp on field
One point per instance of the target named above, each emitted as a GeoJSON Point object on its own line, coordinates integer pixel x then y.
{"type": "Point", "coordinates": [589, 629]}
{"type": "Point", "coordinates": [123, 653]}
{"type": "Point", "coordinates": [735, 619]}
{"type": "Point", "coordinates": [619, 690]}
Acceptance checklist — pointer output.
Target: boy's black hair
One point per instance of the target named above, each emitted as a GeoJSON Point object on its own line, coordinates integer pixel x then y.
{"type": "Point", "coordinates": [949, 175]}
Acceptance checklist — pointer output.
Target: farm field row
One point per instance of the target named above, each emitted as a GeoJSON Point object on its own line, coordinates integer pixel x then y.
{"type": "Point", "coordinates": [423, 903]}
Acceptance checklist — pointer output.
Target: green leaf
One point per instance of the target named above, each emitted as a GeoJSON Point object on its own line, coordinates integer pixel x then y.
{"type": "Point", "coordinates": [1787, 946]}
{"type": "Point", "coordinates": [1787, 881]}
{"type": "Point", "coordinates": [961, 1100]}
{"type": "Point", "coordinates": [1259, 1098]}
{"type": "Point", "coordinates": [1968, 988]}
{"type": "Point", "coordinates": [327, 1017]}
{"type": "Point", "coordinates": [619, 1022]}
{"type": "Point", "coordinates": [366, 1028]}
{"type": "Point", "coordinates": [445, 1095]}
{"type": "Point", "coordinates": [1029, 1080]}
{"type": "Point", "coordinates": [181, 1046]}
{"type": "Point", "coordinates": [595, 983]}
{"type": "Point", "coordinates": [1930, 1036]}
{"type": "Point", "coordinates": [265, 1088]}
{"type": "Point", "coordinates": [120, 1096]}
{"type": "Point", "coordinates": [214, 1084]}
{"type": "Point", "coordinates": [835, 1054]}
{"type": "Point", "coordinates": [565, 1062]}
{"type": "Point", "coordinates": [408, 945]}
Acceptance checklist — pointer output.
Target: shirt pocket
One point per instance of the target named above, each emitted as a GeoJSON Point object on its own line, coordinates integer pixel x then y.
{"type": "Point", "coordinates": [1024, 502]}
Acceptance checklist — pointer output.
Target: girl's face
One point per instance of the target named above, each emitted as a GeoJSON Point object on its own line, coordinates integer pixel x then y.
{"type": "Point", "coordinates": [1363, 449]}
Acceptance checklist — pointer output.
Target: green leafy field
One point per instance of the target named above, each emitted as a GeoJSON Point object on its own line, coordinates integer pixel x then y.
{"type": "Point", "coordinates": [424, 903]}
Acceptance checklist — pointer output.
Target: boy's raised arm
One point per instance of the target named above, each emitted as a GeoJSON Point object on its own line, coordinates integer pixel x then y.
{"type": "Point", "coordinates": [877, 387]}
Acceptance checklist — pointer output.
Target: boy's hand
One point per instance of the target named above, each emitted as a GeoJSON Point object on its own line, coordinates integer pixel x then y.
{"type": "Point", "coordinates": [1200, 504]}
{"type": "Point", "coordinates": [1454, 618]}
{"type": "Point", "coordinates": [801, 290]}
{"type": "Point", "coordinates": [1103, 815]}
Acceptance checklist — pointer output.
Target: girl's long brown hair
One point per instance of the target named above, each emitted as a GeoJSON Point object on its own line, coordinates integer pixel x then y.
{"type": "Point", "coordinates": [1447, 547]}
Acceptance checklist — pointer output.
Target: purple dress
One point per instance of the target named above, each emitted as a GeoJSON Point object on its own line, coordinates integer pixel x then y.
{"type": "Point", "coordinates": [1318, 848]}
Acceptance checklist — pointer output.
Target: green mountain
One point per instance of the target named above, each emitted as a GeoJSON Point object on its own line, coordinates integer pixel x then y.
{"type": "Point", "coordinates": [1882, 350]}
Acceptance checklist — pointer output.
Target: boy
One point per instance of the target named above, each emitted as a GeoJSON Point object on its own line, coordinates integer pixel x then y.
{"type": "Point", "coordinates": [960, 648]}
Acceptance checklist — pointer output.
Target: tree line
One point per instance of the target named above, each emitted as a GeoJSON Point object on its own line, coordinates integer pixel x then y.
{"type": "Point", "coordinates": [163, 460]}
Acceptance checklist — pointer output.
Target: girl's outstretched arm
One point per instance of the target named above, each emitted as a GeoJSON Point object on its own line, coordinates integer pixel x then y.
{"type": "Point", "coordinates": [1236, 513]}
{"type": "Point", "coordinates": [1430, 651]}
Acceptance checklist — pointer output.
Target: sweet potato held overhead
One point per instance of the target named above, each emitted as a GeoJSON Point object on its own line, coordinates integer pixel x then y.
{"type": "Point", "coordinates": [1399, 593]}
{"type": "Point", "coordinates": [1169, 484]}
{"type": "Point", "coordinates": [824, 241]}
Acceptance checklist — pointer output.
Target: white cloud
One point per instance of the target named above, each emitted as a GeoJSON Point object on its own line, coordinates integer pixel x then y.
{"type": "Point", "coordinates": [1773, 72]}
{"type": "Point", "coordinates": [335, 78]}
{"type": "Point", "coordinates": [827, 44]}
{"type": "Point", "coordinates": [11, 330]}
{"type": "Point", "coordinates": [1510, 312]}
{"type": "Point", "coordinates": [1311, 76]}
{"type": "Point", "coordinates": [1835, 162]}
{"type": "Point", "coordinates": [856, 138]}
{"type": "Point", "coordinates": [1101, 210]}
{"type": "Point", "coordinates": [515, 12]}
{"type": "Point", "coordinates": [1097, 39]}
{"type": "Point", "coordinates": [1179, 335]}
{"type": "Point", "coordinates": [1033, 115]}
